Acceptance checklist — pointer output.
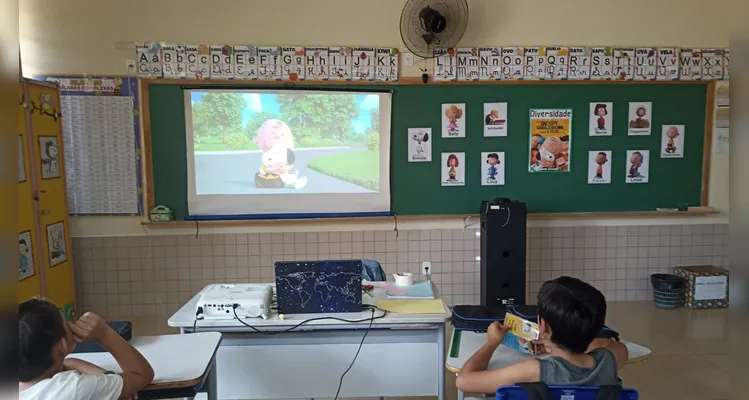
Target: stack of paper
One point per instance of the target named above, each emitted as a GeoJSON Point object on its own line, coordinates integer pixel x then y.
{"type": "Point", "coordinates": [419, 290]}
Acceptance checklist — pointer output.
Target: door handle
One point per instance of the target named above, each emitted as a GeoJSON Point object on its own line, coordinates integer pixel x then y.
{"type": "Point", "coordinates": [44, 212]}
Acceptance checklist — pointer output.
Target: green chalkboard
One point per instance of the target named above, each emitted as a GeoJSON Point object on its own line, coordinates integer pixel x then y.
{"type": "Point", "coordinates": [416, 188]}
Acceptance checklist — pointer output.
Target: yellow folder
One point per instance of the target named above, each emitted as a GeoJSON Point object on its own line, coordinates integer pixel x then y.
{"type": "Point", "coordinates": [412, 306]}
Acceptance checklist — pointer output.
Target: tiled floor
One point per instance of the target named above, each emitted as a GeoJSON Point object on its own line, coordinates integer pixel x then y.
{"type": "Point", "coordinates": [689, 359]}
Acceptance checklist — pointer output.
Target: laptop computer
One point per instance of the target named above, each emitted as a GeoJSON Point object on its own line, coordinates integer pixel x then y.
{"type": "Point", "coordinates": [306, 287]}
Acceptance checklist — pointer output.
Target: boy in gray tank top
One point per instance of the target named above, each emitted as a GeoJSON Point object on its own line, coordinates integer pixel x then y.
{"type": "Point", "coordinates": [571, 313]}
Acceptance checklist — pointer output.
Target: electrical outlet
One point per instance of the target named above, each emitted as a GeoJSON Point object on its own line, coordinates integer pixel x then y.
{"type": "Point", "coordinates": [130, 65]}
{"type": "Point", "coordinates": [408, 59]}
{"type": "Point", "coordinates": [426, 268]}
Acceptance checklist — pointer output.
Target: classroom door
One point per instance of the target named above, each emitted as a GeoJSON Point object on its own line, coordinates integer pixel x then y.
{"type": "Point", "coordinates": [29, 260]}
{"type": "Point", "coordinates": [49, 161]}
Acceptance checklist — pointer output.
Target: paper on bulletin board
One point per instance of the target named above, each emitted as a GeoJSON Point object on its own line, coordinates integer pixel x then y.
{"type": "Point", "coordinates": [550, 139]}
{"type": "Point", "coordinates": [420, 144]}
{"type": "Point", "coordinates": [722, 117]}
{"type": "Point", "coordinates": [721, 141]}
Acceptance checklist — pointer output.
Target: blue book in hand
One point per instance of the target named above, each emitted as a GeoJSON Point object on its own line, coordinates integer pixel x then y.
{"type": "Point", "coordinates": [512, 341]}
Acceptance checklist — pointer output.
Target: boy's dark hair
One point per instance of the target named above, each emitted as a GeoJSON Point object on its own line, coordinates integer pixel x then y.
{"type": "Point", "coordinates": [40, 327]}
{"type": "Point", "coordinates": [574, 310]}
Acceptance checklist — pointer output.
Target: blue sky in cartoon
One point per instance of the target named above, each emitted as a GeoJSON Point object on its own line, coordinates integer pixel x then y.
{"type": "Point", "coordinates": [267, 102]}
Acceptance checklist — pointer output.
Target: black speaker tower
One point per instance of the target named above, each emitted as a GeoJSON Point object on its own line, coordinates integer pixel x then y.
{"type": "Point", "coordinates": [503, 230]}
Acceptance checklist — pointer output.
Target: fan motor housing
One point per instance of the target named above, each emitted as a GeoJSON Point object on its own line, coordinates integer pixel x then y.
{"type": "Point", "coordinates": [432, 21]}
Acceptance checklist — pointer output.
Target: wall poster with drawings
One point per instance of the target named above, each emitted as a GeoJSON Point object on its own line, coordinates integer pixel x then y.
{"type": "Point", "coordinates": [420, 144]}
{"type": "Point", "coordinates": [453, 169]}
{"type": "Point", "coordinates": [101, 113]}
{"type": "Point", "coordinates": [50, 161]}
{"type": "Point", "coordinates": [56, 246]}
{"type": "Point", "coordinates": [25, 256]}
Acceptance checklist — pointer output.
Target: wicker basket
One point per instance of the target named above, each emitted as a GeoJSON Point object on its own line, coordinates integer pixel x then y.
{"type": "Point", "coordinates": [668, 290]}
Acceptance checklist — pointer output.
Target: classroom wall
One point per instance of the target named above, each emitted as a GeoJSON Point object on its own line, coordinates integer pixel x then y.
{"type": "Point", "coordinates": [95, 37]}
{"type": "Point", "coordinates": [155, 275]}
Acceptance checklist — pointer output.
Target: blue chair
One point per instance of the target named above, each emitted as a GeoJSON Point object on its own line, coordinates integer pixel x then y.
{"type": "Point", "coordinates": [539, 391]}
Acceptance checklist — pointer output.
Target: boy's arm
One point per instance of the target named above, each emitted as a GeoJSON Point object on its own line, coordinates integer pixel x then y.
{"type": "Point", "coordinates": [618, 348]}
{"type": "Point", "coordinates": [474, 376]}
{"type": "Point", "coordinates": [84, 367]}
{"type": "Point", "coordinates": [136, 371]}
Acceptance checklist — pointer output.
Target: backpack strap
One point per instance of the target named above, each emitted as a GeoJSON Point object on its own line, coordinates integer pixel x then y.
{"type": "Point", "coordinates": [536, 391]}
{"type": "Point", "coordinates": [609, 392]}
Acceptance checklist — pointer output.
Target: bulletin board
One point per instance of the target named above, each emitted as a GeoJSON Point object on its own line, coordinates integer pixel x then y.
{"type": "Point", "coordinates": [416, 186]}
{"type": "Point", "coordinates": [101, 134]}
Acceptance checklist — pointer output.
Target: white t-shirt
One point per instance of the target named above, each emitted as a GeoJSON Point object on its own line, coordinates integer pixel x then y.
{"type": "Point", "coordinates": [72, 385]}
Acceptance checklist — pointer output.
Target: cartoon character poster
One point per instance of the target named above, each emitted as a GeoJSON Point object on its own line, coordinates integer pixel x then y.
{"type": "Point", "coordinates": [640, 115]}
{"type": "Point", "coordinates": [672, 141]}
{"type": "Point", "coordinates": [638, 162]}
{"type": "Point", "coordinates": [48, 148]}
{"type": "Point", "coordinates": [601, 115]}
{"type": "Point", "coordinates": [25, 256]}
{"type": "Point", "coordinates": [453, 169]}
{"type": "Point", "coordinates": [599, 166]}
{"type": "Point", "coordinates": [550, 138]}
{"type": "Point", "coordinates": [419, 144]}
{"type": "Point", "coordinates": [492, 168]}
{"type": "Point", "coordinates": [495, 119]}
{"type": "Point", "coordinates": [58, 252]}
{"type": "Point", "coordinates": [453, 121]}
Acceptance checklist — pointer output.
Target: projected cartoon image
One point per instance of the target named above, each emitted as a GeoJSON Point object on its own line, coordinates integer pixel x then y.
{"type": "Point", "coordinates": [272, 143]}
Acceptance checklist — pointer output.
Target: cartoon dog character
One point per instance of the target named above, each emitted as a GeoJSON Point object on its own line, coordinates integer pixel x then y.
{"type": "Point", "coordinates": [420, 137]}
{"type": "Point", "coordinates": [277, 170]}
{"type": "Point", "coordinates": [550, 149]}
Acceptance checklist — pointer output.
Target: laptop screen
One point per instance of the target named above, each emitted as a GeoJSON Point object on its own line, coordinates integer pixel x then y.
{"type": "Point", "coordinates": [305, 287]}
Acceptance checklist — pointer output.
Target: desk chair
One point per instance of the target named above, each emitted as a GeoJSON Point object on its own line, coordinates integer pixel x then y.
{"type": "Point", "coordinates": [539, 391]}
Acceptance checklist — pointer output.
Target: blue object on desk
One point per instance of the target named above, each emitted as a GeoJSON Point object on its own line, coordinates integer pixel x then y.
{"type": "Point", "coordinates": [123, 328]}
{"type": "Point", "coordinates": [539, 391]}
{"type": "Point", "coordinates": [372, 271]}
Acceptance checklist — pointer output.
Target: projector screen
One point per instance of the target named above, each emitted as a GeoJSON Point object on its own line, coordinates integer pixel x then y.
{"type": "Point", "coordinates": [286, 152]}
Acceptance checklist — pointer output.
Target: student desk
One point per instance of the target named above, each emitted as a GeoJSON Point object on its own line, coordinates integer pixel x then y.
{"type": "Point", "coordinates": [180, 363]}
{"type": "Point", "coordinates": [403, 354]}
{"type": "Point", "coordinates": [465, 343]}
